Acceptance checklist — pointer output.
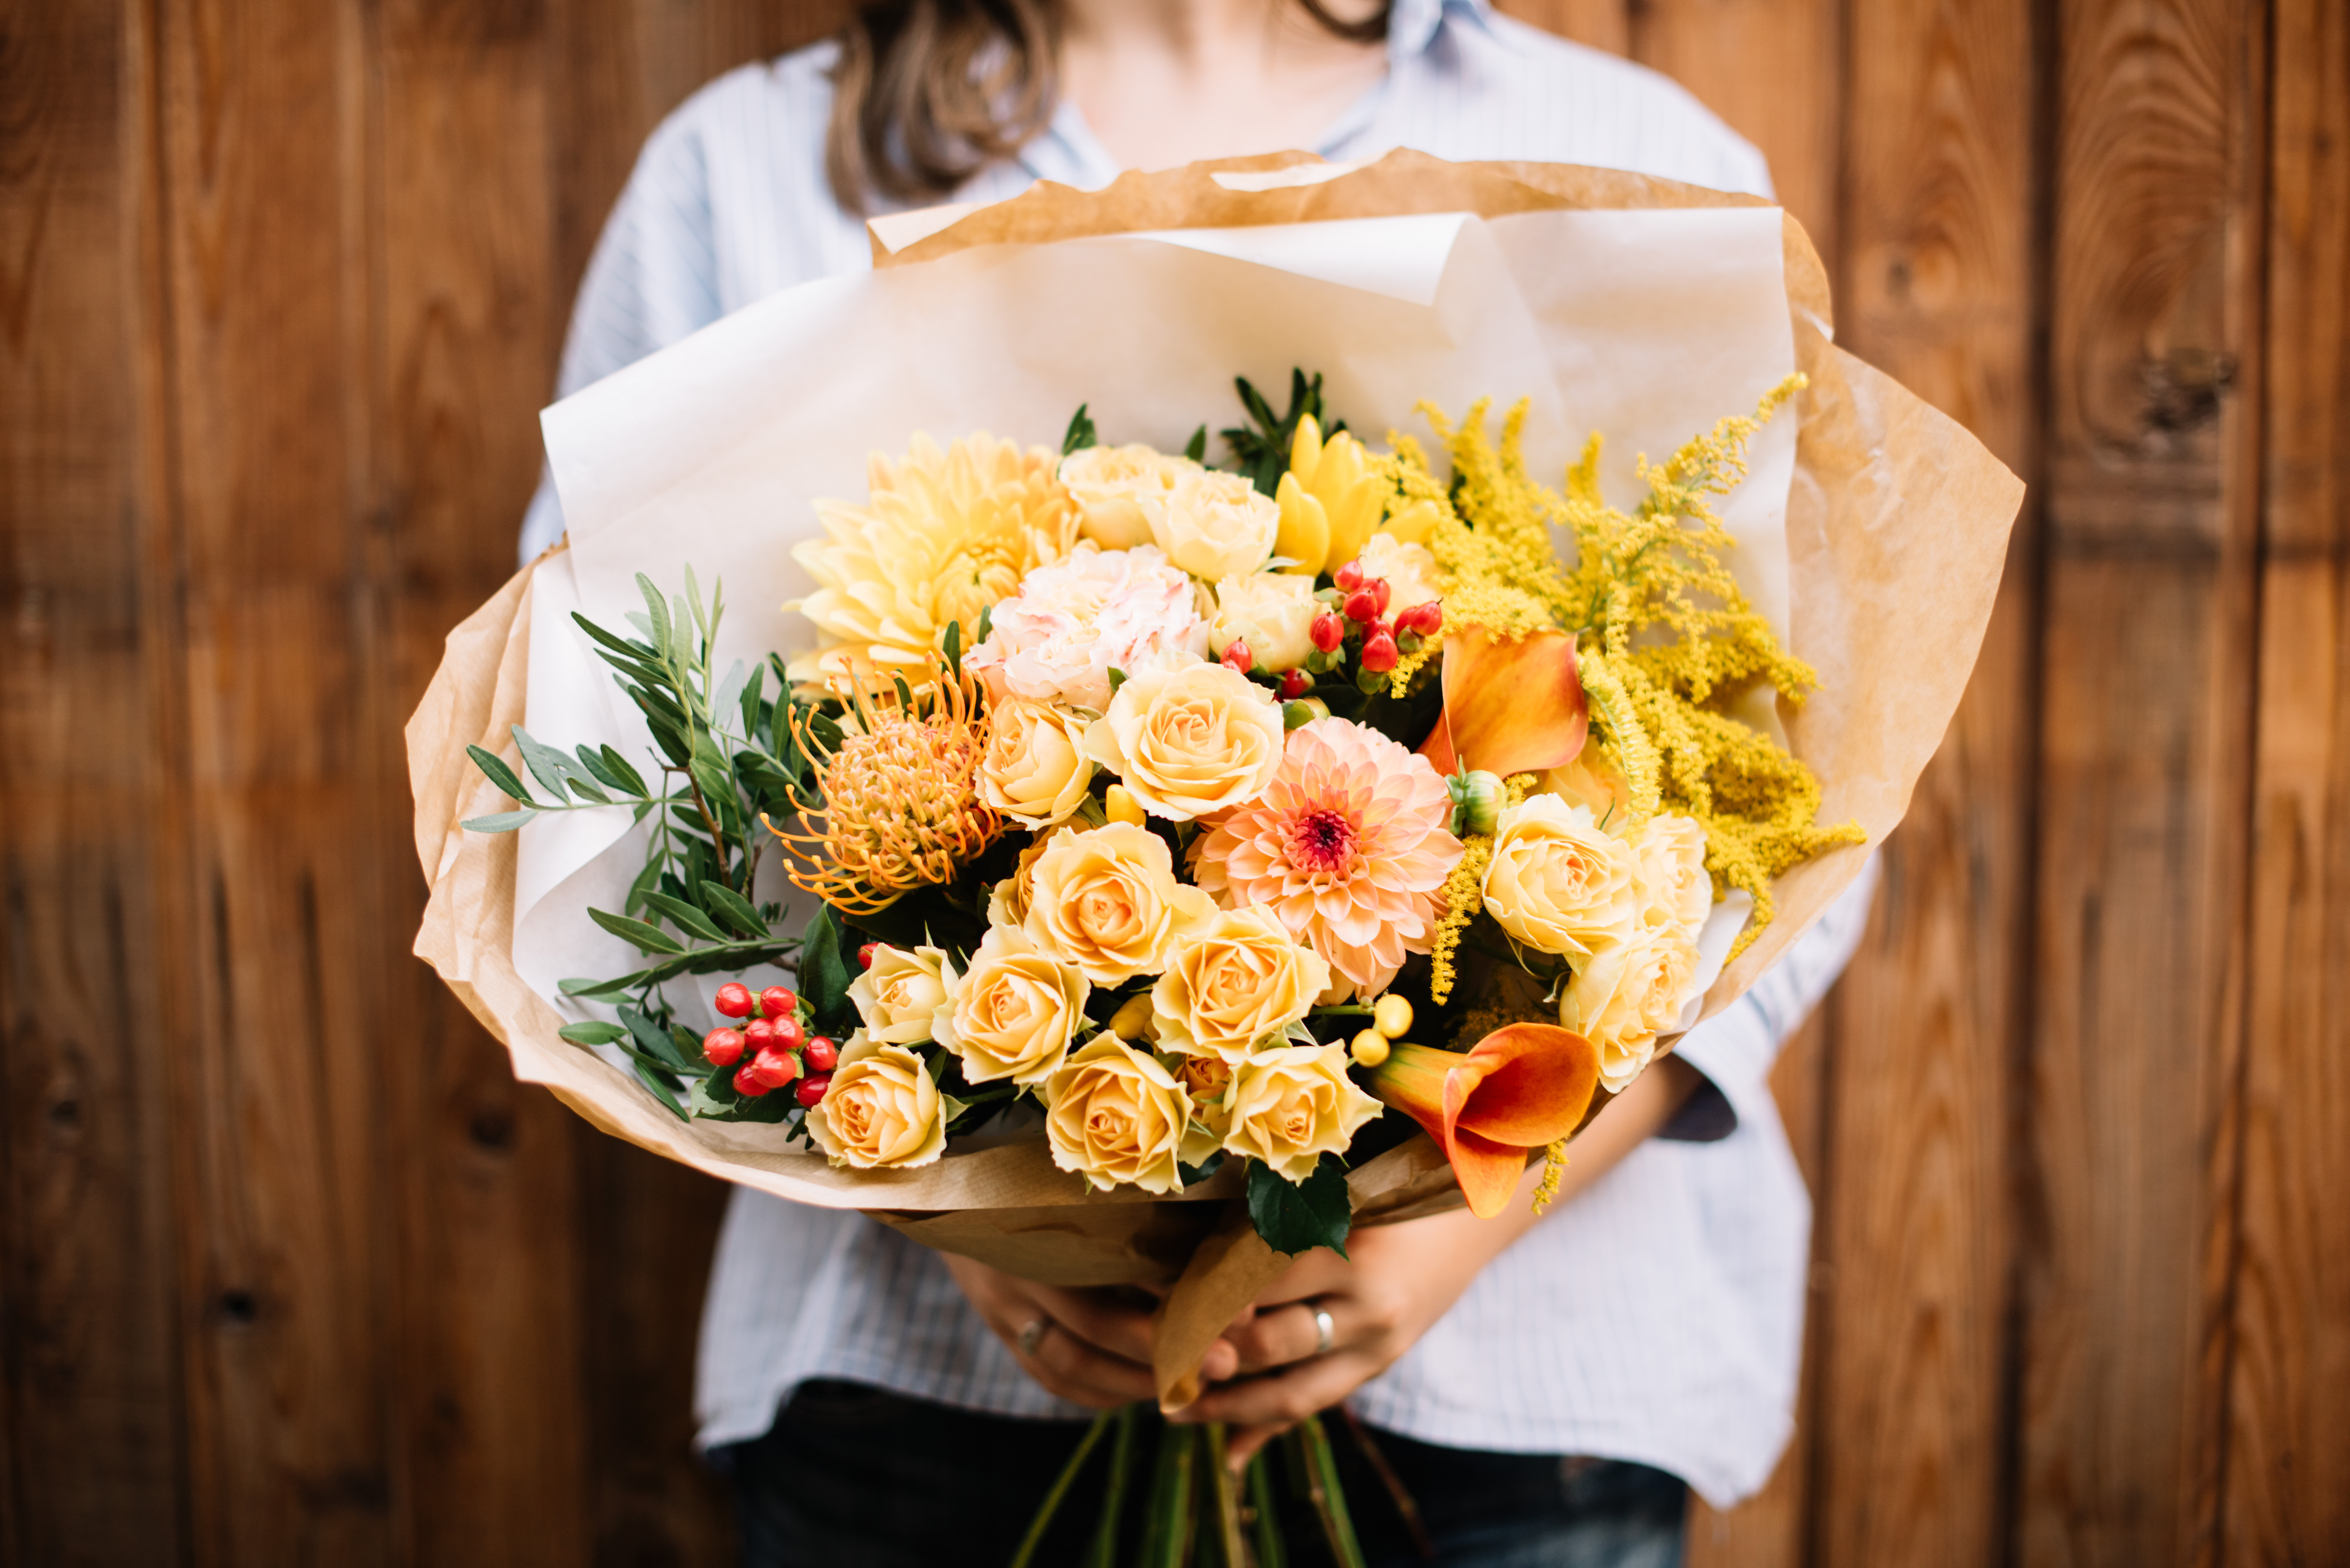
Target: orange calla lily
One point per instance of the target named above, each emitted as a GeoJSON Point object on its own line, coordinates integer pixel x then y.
{"type": "Point", "coordinates": [1509, 707]}
{"type": "Point", "coordinates": [1521, 1088]}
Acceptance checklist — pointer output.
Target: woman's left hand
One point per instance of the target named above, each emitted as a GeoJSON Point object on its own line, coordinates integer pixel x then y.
{"type": "Point", "coordinates": [1397, 1280]}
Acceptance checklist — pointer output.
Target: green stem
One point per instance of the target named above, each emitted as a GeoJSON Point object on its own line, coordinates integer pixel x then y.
{"type": "Point", "coordinates": [1103, 1551]}
{"type": "Point", "coordinates": [1270, 1551]}
{"type": "Point", "coordinates": [1329, 1499]}
{"type": "Point", "coordinates": [1225, 1499]}
{"type": "Point", "coordinates": [1044, 1519]}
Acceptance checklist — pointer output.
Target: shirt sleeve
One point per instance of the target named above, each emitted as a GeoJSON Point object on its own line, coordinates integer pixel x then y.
{"type": "Point", "coordinates": [1735, 1048]}
{"type": "Point", "coordinates": [652, 281]}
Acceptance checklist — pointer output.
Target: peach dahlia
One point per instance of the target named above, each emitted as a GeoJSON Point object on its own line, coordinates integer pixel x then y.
{"type": "Point", "coordinates": [1349, 844]}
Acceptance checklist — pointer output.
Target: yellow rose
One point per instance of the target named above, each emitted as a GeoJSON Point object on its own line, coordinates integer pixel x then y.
{"type": "Point", "coordinates": [1034, 770]}
{"type": "Point", "coordinates": [1626, 994]}
{"type": "Point", "coordinates": [882, 1112]}
{"type": "Point", "coordinates": [1209, 1081]}
{"type": "Point", "coordinates": [1215, 525]}
{"type": "Point", "coordinates": [1272, 612]}
{"type": "Point", "coordinates": [1189, 742]}
{"type": "Point", "coordinates": [1007, 901]}
{"type": "Point", "coordinates": [1591, 780]}
{"type": "Point", "coordinates": [1118, 1117]}
{"type": "Point", "coordinates": [1669, 874]}
{"type": "Point", "coordinates": [1118, 489]}
{"type": "Point", "coordinates": [1105, 901]}
{"type": "Point", "coordinates": [1557, 881]}
{"type": "Point", "coordinates": [1409, 570]}
{"type": "Point", "coordinates": [1013, 1013]}
{"type": "Point", "coordinates": [1291, 1107]}
{"type": "Point", "coordinates": [1232, 981]}
{"type": "Point", "coordinates": [897, 996]}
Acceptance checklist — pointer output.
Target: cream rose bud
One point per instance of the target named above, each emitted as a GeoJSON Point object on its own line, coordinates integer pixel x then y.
{"type": "Point", "coordinates": [1670, 873]}
{"type": "Point", "coordinates": [1215, 525]}
{"type": "Point", "coordinates": [1272, 612]}
{"type": "Point", "coordinates": [1557, 881]}
{"type": "Point", "coordinates": [1625, 995]}
{"type": "Point", "coordinates": [881, 1112]}
{"type": "Point", "coordinates": [897, 996]}
{"type": "Point", "coordinates": [1013, 1013]}
{"type": "Point", "coordinates": [1409, 570]}
{"type": "Point", "coordinates": [1291, 1107]}
{"type": "Point", "coordinates": [1209, 1081]}
{"type": "Point", "coordinates": [1118, 490]}
{"type": "Point", "coordinates": [1232, 981]}
{"type": "Point", "coordinates": [1189, 742]}
{"type": "Point", "coordinates": [1036, 770]}
{"type": "Point", "coordinates": [1118, 1117]}
{"type": "Point", "coordinates": [1106, 902]}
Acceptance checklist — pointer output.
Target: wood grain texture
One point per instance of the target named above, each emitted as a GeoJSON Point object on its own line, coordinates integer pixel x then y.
{"type": "Point", "coordinates": [2288, 1419]}
{"type": "Point", "coordinates": [2148, 659]}
{"type": "Point", "coordinates": [1602, 23]}
{"type": "Point", "coordinates": [1937, 230]}
{"type": "Point", "coordinates": [90, 1461]}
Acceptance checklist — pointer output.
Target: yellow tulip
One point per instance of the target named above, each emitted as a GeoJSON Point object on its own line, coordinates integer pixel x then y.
{"type": "Point", "coordinates": [1330, 500]}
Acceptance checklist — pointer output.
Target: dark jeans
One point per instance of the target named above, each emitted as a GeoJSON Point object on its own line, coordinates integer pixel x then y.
{"type": "Point", "coordinates": [855, 1477]}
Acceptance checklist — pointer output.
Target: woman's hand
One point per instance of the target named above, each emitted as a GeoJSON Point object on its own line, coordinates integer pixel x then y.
{"type": "Point", "coordinates": [1399, 1280]}
{"type": "Point", "coordinates": [1086, 1345]}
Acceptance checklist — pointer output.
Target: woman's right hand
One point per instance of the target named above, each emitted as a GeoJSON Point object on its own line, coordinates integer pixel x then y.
{"type": "Point", "coordinates": [1085, 1345]}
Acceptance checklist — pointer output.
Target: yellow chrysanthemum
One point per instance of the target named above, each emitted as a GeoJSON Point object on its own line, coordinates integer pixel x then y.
{"type": "Point", "coordinates": [944, 536]}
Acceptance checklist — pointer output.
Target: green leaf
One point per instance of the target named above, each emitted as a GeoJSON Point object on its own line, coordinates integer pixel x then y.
{"type": "Point", "coordinates": [612, 770]}
{"type": "Point", "coordinates": [823, 975]}
{"type": "Point", "coordinates": [986, 621]}
{"type": "Point", "coordinates": [656, 617]}
{"type": "Point", "coordinates": [1081, 433]}
{"type": "Point", "coordinates": [592, 1033]}
{"type": "Point", "coordinates": [554, 770]}
{"type": "Point", "coordinates": [1296, 1219]}
{"type": "Point", "coordinates": [752, 692]}
{"type": "Point", "coordinates": [656, 1043]}
{"type": "Point", "coordinates": [501, 822]}
{"type": "Point", "coordinates": [499, 774]}
{"type": "Point", "coordinates": [646, 938]}
{"type": "Point", "coordinates": [692, 920]}
{"type": "Point", "coordinates": [951, 646]}
{"type": "Point", "coordinates": [731, 907]}
{"type": "Point", "coordinates": [1196, 449]}
{"type": "Point", "coordinates": [651, 1080]}
{"type": "Point", "coordinates": [646, 879]}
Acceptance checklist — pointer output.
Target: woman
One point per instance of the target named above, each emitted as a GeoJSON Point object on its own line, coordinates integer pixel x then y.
{"type": "Point", "coordinates": [1544, 1390]}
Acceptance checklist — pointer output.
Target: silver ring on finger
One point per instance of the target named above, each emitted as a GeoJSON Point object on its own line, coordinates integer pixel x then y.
{"type": "Point", "coordinates": [1033, 1335]}
{"type": "Point", "coordinates": [1324, 1329]}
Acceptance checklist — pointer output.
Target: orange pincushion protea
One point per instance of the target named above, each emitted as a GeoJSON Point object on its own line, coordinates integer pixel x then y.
{"type": "Point", "coordinates": [1347, 844]}
{"type": "Point", "coordinates": [901, 807]}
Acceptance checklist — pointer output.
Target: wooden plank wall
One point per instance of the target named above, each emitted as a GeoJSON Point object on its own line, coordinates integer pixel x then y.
{"type": "Point", "coordinates": [291, 1271]}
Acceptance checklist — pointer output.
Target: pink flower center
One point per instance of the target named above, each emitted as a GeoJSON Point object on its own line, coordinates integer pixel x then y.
{"type": "Point", "coordinates": [1322, 842]}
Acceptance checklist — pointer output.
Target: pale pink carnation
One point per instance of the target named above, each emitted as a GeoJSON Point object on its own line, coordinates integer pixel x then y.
{"type": "Point", "coordinates": [1073, 622]}
{"type": "Point", "coordinates": [1349, 844]}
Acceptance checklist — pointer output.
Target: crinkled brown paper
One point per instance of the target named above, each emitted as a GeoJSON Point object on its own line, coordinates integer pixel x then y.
{"type": "Point", "coordinates": [1896, 530]}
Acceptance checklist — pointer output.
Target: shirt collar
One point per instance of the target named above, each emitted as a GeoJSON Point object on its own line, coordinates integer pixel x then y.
{"type": "Point", "coordinates": [1412, 24]}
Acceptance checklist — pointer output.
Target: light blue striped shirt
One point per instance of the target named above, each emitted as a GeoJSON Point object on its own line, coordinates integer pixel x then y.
{"type": "Point", "coordinates": [1658, 1317]}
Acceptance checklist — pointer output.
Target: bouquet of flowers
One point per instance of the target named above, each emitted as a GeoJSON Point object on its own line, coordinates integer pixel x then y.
{"type": "Point", "coordinates": [1125, 868]}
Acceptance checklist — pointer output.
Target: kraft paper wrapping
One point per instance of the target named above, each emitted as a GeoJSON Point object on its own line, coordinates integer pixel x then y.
{"type": "Point", "coordinates": [1897, 524]}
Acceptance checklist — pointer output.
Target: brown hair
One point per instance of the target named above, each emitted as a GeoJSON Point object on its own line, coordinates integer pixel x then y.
{"type": "Point", "coordinates": [927, 92]}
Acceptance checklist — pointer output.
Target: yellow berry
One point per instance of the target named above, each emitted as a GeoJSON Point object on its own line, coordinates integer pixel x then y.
{"type": "Point", "coordinates": [1391, 1015]}
{"type": "Point", "coordinates": [1370, 1049]}
{"type": "Point", "coordinates": [1120, 806]}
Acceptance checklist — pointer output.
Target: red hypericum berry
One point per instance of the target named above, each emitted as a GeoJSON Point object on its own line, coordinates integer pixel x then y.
{"type": "Point", "coordinates": [1381, 591]}
{"type": "Point", "coordinates": [760, 1034]}
{"type": "Point", "coordinates": [1379, 653]}
{"type": "Point", "coordinates": [1349, 576]}
{"type": "Point", "coordinates": [723, 1047]}
{"type": "Point", "coordinates": [865, 954]}
{"type": "Point", "coordinates": [788, 1034]}
{"type": "Point", "coordinates": [1237, 655]}
{"type": "Point", "coordinates": [777, 1003]}
{"type": "Point", "coordinates": [776, 1067]}
{"type": "Point", "coordinates": [747, 1080]}
{"type": "Point", "coordinates": [1296, 684]}
{"type": "Point", "coordinates": [821, 1053]}
{"type": "Point", "coordinates": [812, 1088]}
{"type": "Point", "coordinates": [734, 1000]}
{"type": "Point", "coordinates": [1328, 632]}
{"type": "Point", "coordinates": [1380, 628]}
{"type": "Point", "coordinates": [1362, 605]}
{"type": "Point", "coordinates": [1427, 620]}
